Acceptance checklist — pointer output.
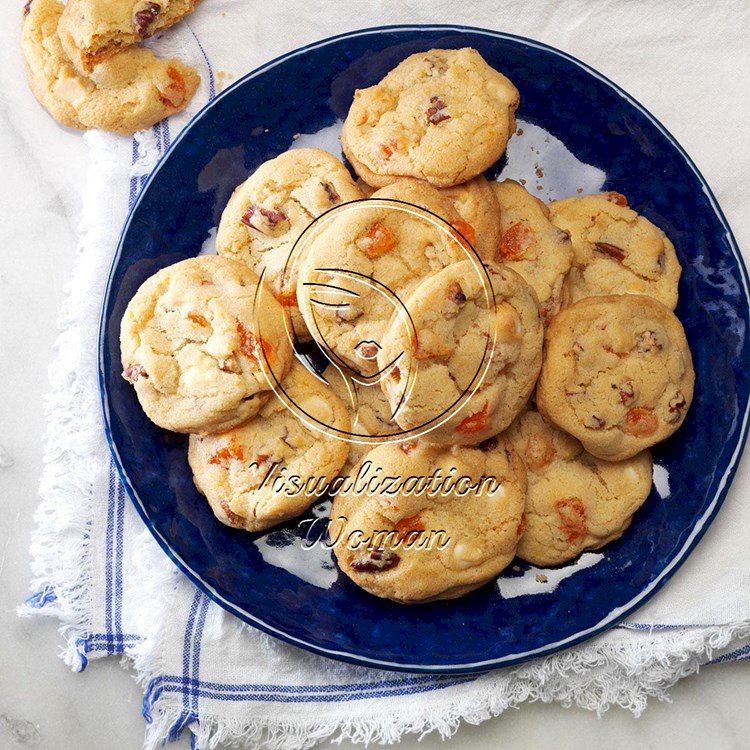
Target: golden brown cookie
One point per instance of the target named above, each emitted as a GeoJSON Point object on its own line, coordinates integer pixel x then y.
{"type": "Point", "coordinates": [533, 246]}
{"type": "Point", "coordinates": [273, 467]}
{"type": "Point", "coordinates": [574, 501]}
{"type": "Point", "coordinates": [469, 363]}
{"type": "Point", "coordinates": [126, 93]}
{"type": "Point", "coordinates": [357, 267]}
{"type": "Point", "coordinates": [480, 213]}
{"type": "Point", "coordinates": [370, 415]}
{"type": "Point", "coordinates": [443, 116]}
{"type": "Point", "coordinates": [270, 210]}
{"type": "Point", "coordinates": [617, 374]}
{"type": "Point", "coordinates": [197, 353]}
{"type": "Point", "coordinates": [475, 212]}
{"type": "Point", "coordinates": [616, 251]}
{"type": "Point", "coordinates": [92, 31]}
{"type": "Point", "coordinates": [387, 541]}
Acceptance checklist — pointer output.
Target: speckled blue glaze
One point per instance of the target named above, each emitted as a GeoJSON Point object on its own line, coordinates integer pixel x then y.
{"type": "Point", "coordinates": [602, 126]}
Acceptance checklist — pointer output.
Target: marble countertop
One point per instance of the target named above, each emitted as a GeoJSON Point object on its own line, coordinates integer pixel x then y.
{"type": "Point", "coordinates": [42, 703]}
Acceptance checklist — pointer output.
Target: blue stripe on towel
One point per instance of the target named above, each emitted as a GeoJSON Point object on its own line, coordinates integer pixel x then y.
{"type": "Point", "coordinates": [740, 654]}
{"type": "Point", "coordinates": [118, 562]}
{"type": "Point", "coordinates": [109, 543]}
{"type": "Point", "coordinates": [211, 82]}
{"type": "Point", "coordinates": [353, 693]}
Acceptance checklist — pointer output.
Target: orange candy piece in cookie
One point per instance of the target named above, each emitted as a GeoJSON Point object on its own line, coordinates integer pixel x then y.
{"type": "Point", "coordinates": [198, 319]}
{"type": "Point", "coordinates": [516, 240]}
{"type": "Point", "coordinates": [377, 241]}
{"type": "Point", "coordinates": [641, 422]}
{"type": "Point", "coordinates": [407, 529]}
{"type": "Point", "coordinates": [617, 198]}
{"type": "Point", "coordinates": [467, 230]}
{"type": "Point", "coordinates": [249, 346]}
{"type": "Point", "coordinates": [539, 451]}
{"type": "Point", "coordinates": [223, 456]}
{"type": "Point", "coordinates": [474, 422]}
{"type": "Point", "coordinates": [174, 93]}
{"type": "Point", "coordinates": [288, 298]}
{"type": "Point", "coordinates": [572, 514]}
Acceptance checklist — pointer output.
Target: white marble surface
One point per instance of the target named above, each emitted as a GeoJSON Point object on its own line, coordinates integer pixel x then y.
{"type": "Point", "coordinates": [44, 705]}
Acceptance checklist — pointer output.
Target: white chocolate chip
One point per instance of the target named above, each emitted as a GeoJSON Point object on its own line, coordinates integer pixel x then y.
{"type": "Point", "coordinates": [466, 555]}
{"type": "Point", "coordinates": [509, 327]}
{"type": "Point", "coordinates": [197, 380]}
{"type": "Point", "coordinates": [71, 89]}
{"type": "Point", "coordinates": [318, 408]}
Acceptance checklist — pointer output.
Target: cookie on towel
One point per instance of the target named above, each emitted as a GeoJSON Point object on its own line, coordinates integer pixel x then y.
{"type": "Point", "coordinates": [126, 93]}
{"type": "Point", "coordinates": [92, 31]}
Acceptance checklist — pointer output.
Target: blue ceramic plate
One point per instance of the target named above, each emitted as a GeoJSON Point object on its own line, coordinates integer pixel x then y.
{"type": "Point", "coordinates": [583, 134]}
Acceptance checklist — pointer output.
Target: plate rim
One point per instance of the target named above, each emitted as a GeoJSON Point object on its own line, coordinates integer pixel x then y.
{"type": "Point", "coordinates": [611, 618]}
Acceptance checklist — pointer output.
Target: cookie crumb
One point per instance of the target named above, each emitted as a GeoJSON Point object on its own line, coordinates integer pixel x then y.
{"type": "Point", "coordinates": [541, 578]}
{"type": "Point", "coordinates": [222, 78]}
{"type": "Point", "coordinates": [295, 136]}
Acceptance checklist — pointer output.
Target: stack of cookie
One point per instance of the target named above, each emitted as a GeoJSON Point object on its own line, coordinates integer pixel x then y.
{"type": "Point", "coordinates": [490, 336]}
{"type": "Point", "coordinates": [85, 68]}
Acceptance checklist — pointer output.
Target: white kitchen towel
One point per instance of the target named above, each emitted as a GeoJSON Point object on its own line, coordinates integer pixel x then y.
{"type": "Point", "coordinates": [98, 570]}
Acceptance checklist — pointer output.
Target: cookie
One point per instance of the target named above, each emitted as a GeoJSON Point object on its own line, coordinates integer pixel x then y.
{"type": "Point", "coordinates": [273, 467]}
{"type": "Point", "coordinates": [616, 251]}
{"type": "Point", "coordinates": [574, 501]}
{"type": "Point", "coordinates": [421, 539]}
{"type": "Point", "coordinates": [477, 209]}
{"type": "Point", "coordinates": [355, 269]}
{"type": "Point", "coordinates": [129, 92]}
{"type": "Point", "coordinates": [443, 116]}
{"type": "Point", "coordinates": [268, 212]}
{"type": "Point", "coordinates": [196, 352]}
{"type": "Point", "coordinates": [617, 374]}
{"type": "Point", "coordinates": [472, 358]}
{"type": "Point", "coordinates": [92, 31]}
{"type": "Point", "coordinates": [533, 246]}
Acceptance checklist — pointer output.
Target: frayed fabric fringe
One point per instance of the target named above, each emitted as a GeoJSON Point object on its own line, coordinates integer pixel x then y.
{"type": "Point", "coordinates": [593, 677]}
{"type": "Point", "coordinates": [60, 554]}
